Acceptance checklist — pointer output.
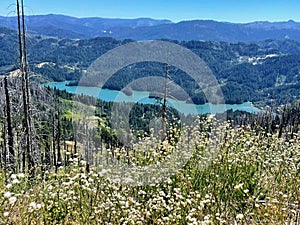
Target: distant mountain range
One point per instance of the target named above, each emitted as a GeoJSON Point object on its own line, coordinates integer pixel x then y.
{"type": "Point", "coordinates": [77, 28]}
{"type": "Point", "coordinates": [148, 29]}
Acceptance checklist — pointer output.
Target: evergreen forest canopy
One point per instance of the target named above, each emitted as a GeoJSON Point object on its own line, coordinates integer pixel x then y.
{"type": "Point", "coordinates": [259, 72]}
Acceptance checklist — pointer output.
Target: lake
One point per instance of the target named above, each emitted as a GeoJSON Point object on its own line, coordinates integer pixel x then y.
{"type": "Point", "coordinates": [143, 97]}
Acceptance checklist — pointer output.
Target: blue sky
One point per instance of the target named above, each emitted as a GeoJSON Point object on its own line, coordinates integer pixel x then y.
{"type": "Point", "coordinates": [175, 10]}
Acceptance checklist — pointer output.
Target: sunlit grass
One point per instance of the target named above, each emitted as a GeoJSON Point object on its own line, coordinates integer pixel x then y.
{"type": "Point", "coordinates": [251, 179]}
{"type": "Point", "coordinates": [76, 110]}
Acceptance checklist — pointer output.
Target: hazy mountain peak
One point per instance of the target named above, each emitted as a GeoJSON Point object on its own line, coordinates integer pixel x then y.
{"type": "Point", "coordinates": [149, 29]}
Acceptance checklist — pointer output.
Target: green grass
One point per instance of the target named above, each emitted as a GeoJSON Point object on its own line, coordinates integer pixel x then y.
{"type": "Point", "coordinates": [251, 179]}
{"type": "Point", "coordinates": [76, 110]}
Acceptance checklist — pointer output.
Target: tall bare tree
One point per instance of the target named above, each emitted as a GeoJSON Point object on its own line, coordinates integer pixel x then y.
{"type": "Point", "coordinates": [25, 88]}
{"type": "Point", "coordinates": [10, 138]}
{"type": "Point", "coordinates": [164, 105]}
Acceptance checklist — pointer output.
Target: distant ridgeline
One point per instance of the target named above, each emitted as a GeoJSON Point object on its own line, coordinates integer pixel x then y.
{"type": "Point", "coordinates": [66, 27]}
{"type": "Point", "coordinates": [262, 71]}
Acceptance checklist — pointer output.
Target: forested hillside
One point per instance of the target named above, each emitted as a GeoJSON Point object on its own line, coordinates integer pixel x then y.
{"type": "Point", "coordinates": [264, 71]}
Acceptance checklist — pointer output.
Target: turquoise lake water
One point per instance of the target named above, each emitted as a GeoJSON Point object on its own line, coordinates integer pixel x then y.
{"type": "Point", "coordinates": [143, 97]}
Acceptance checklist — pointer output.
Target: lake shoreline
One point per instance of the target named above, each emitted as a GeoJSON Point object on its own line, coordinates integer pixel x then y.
{"type": "Point", "coordinates": [143, 97]}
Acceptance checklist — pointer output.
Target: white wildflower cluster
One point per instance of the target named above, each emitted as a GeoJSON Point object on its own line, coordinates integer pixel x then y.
{"type": "Point", "coordinates": [251, 178]}
{"type": "Point", "coordinates": [34, 206]}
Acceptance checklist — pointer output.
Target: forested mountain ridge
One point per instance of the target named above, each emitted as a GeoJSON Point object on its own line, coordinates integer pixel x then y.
{"type": "Point", "coordinates": [71, 27]}
{"type": "Point", "coordinates": [148, 29]}
{"type": "Point", "coordinates": [255, 72]}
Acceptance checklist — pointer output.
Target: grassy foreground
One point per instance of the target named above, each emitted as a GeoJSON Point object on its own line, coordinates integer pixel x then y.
{"type": "Point", "coordinates": [254, 178]}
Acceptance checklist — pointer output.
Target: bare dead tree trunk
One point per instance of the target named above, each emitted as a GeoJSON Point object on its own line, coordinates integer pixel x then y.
{"type": "Point", "coordinates": [53, 141]}
{"type": "Point", "coordinates": [10, 138]}
{"type": "Point", "coordinates": [20, 37]}
{"type": "Point", "coordinates": [164, 106]}
{"type": "Point", "coordinates": [4, 150]}
{"type": "Point", "coordinates": [25, 89]}
{"type": "Point", "coordinates": [282, 122]}
{"type": "Point", "coordinates": [59, 159]}
{"type": "Point", "coordinates": [86, 144]}
{"type": "Point", "coordinates": [75, 138]}
{"type": "Point", "coordinates": [27, 105]}
{"type": "Point", "coordinates": [21, 69]}
{"type": "Point", "coordinates": [47, 156]}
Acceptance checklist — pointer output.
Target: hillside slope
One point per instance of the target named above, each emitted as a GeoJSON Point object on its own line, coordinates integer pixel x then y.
{"type": "Point", "coordinates": [262, 71]}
